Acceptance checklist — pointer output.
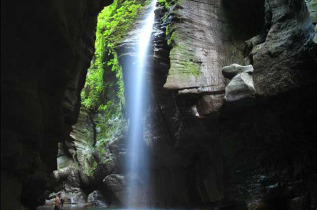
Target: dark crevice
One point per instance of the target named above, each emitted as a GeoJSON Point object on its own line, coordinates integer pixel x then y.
{"type": "Point", "coordinates": [246, 17]}
{"type": "Point", "coordinates": [94, 137]}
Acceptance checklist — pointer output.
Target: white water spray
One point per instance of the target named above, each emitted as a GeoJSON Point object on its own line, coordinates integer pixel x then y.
{"type": "Point", "coordinates": [137, 159]}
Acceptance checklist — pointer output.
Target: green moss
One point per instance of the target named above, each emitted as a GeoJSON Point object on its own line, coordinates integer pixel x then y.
{"type": "Point", "coordinates": [163, 3]}
{"type": "Point", "coordinates": [107, 159]}
{"type": "Point", "coordinates": [172, 38]}
{"type": "Point", "coordinates": [113, 23]}
{"type": "Point", "coordinates": [180, 2]}
{"type": "Point", "coordinates": [192, 68]}
{"type": "Point", "coordinates": [104, 88]}
{"type": "Point", "coordinates": [93, 167]}
{"type": "Point", "coordinates": [184, 69]}
{"type": "Point", "coordinates": [183, 63]}
{"type": "Point", "coordinates": [111, 129]}
{"type": "Point", "coordinates": [181, 52]}
{"type": "Point", "coordinates": [167, 30]}
{"type": "Point", "coordinates": [89, 164]}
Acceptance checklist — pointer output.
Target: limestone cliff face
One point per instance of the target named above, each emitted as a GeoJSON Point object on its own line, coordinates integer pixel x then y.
{"type": "Point", "coordinates": [202, 42]}
{"type": "Point", "coordinates": [46, 48]}
{"type": "Point", "coordinates": [201, 45]}
{"type": "Point", "coordinates": [238, 154]}
{"type": "Point", "coordinates": [205, 36]}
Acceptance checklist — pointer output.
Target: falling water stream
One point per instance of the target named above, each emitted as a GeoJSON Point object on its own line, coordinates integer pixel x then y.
{"type": "Point", "coordinates": [136, 163]}
{"type": "Point", "coordinates": [137, 158]}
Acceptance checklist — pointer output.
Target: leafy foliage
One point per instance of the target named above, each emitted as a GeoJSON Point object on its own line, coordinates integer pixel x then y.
{"type": "Point", "coordinates": [104, 89]}
{"type": "Point", "coordinates": [113, 23]}
{"type": "Point", "coordinates": [164, 3]}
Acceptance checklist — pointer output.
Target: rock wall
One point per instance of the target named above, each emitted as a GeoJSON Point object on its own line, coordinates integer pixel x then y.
{"type": "Point", "coordinates": [233, 154]}
{"type": "Point", "coordinates": [286, 59]}
{"type": "Point", "coordinates": [312, 8]}
{"type": "Point", "coordinates": [46, 48]}
{"type": "Point", "coordinates": [83, 164]}
{"type": "Point", "coordinates": [201, 45]}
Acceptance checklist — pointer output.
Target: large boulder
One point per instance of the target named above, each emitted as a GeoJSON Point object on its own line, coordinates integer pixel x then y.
{"type": "Point", "coordinates": [117, 184]}
{"type": "Point", "coordinates": [97, 199]}
{"type": "Point", "coordinates": [121, 187]}
{"type": "Point", "coordinates": [241, 86]}
{"type": "Point", "coordinates": [234, 69]}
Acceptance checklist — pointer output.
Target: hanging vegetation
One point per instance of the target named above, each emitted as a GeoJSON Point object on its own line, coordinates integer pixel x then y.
{"type": "Point", "coordinates": [113, 23]}
{"type": "Point", "coordinates": [104, 88]}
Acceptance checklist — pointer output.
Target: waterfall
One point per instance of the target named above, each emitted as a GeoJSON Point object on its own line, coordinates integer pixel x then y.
{"type": "Point", "coordinates": [138, 90]}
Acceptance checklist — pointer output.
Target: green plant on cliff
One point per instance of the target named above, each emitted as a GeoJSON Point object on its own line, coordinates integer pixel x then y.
{"type": "Point", "coordinates": [104, 89]}
{"type": "Point", "coordinates": [163, 3]}
{"type": "Point", "coordinates": [113, 23]}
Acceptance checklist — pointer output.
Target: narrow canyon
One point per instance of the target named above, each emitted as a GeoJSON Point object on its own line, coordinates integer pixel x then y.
{"type": "Point", "coordinates": [167, 104]}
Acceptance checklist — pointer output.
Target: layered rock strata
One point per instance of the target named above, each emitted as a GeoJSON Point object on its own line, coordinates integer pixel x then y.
{"type": "Point", "coordinates": [211, 159]}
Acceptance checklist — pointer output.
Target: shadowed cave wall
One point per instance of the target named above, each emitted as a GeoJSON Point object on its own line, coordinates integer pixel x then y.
{"type": "Point", "coordinates": [46, 49]}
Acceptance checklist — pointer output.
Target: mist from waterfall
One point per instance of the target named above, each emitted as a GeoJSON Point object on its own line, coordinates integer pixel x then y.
{"type": "Point", "coordinates": [139, 95]}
